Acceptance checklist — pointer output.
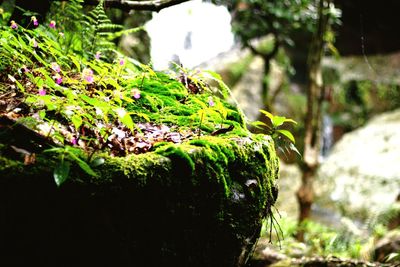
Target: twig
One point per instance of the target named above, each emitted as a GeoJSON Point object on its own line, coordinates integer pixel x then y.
{"type": "Point", "coordinates": [148, 5]}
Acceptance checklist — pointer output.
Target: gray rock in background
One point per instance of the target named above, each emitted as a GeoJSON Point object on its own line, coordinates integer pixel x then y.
{"type": "Point", "coordinates": [362, 173]}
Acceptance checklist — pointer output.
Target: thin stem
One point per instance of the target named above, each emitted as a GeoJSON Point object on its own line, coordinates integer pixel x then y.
{"type": "Point", "coordinates": [201, 122]}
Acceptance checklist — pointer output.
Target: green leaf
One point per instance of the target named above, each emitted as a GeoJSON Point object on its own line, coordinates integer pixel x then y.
{"type": "Point", "coordinates": [49, 81]}
{"type": "Point", "coordinates": [38, 58]}
{"type": "Point", "coordinates": [76, 63]}
{"type": "Point", "coordinates": [31, 99]}
{"type": "Point", "coordinates": [125, 118]}
{"type": "Point", "coordinates": [42, 114]}
{"type": "Point", "coordinates": [294, 148]}
{"type": "Point", "coordinates": [61, 172]}
{"type": "Point", "coordinates": [278, 121]}
{"type": "Point", "coordinates": [259, 124]}
{"type": "Point", "coordinates": [291, 121]}
{"type": "Point", "coordinates": [124, 32]}
{"type": "Point", "coordinates": [20, 86]}
{"type": "Point", "coordinates": [392, 256]}
{"type": "Point", "coordinates": [142, 115]}
{"type": "Point", "coordinates": [266, 113]}
{"type": "Point", "coordinates": [94, 102]}
{"type": "Point", "coordinates": [288, 134]}
{"type": "Point", "coordinates": [84, 166]}
{"type": "Point", "coordinates": [216, 77]}
{"type": "Point", "coordinates": [97, 162]}
{"type": "Point", "coordinates": [77, 121]}
{"type": "Point", "coordinates": [39, 81]}
{"type": "Point", "coordinates": [112, 82]}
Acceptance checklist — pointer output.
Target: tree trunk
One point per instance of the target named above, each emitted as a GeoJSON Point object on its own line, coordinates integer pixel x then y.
{"type": "Point", "coordinates": [265, 84]}
{"type": "Point", "coordinates": [305, 194]}
{"type": "Point", "coordinates": [267, 57]}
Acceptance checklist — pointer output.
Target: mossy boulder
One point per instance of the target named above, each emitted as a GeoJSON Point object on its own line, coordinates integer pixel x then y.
{"type": "Point", "coordinates": [200, 203]}
{"type": "Point", "coordinates": [114, 164]}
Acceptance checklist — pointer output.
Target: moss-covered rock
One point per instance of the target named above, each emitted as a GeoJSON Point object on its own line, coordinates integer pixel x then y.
{"type": "Point", "coordinates": [200, 203]}
{"type": "Point", "coordinates": [119, 165]}
{"type": "Point", "coordinates": [197, 202]}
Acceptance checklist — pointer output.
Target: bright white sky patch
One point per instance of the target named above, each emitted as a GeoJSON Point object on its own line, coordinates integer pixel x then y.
{"type": "Point", "coordinates": [210, 33]}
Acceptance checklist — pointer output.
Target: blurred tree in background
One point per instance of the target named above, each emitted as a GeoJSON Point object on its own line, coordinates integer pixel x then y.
{"type": "Point", "coordinates": [254, 19]}
{"type": "Point", "coordinates": [315, 98]}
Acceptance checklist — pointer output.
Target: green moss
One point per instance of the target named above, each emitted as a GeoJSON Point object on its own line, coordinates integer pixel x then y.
{"type": "Point", "coordinates": [222, 185]}
{"type": "Point", "coordinates": [166, 100]}
{"type": "Point", "coordinates": [214, 190]}
{"type": "Point", "coordinates": [8, 165]}
{"type": "Point", "coordinates": [177, 154]}
{"type": "Point", "coordinates": [217, 188]}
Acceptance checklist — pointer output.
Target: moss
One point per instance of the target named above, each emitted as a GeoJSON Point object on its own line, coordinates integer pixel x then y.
{"type": "Point", "coordinates": [215, 190]}
{"type": "Point", "coordinates": [180, 157]}
{"type": "Point", "coordinates": [166, 100]}
{"type": "Point", "coordinates": [7, 165]}
{"type": "Point", "coordinates": [177, 205]}
{"type": "Point", "coordinates": [223, 157]}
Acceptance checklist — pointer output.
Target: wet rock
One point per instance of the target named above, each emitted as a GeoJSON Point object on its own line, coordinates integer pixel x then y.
{"type": "Point", "coordinates": [390, 243]}
{"type": "Point", "coordinates": [361, 175]}
{"type": "Point", "coordinates": [265, 255]}
{"type": "Point", "coordinates": [196, 204]}
{"type": "Point", "coordinates": [289, 182]}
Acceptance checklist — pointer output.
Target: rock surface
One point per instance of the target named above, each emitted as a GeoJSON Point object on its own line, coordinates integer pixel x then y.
{"type": "Point", "coordinates": [194, 204]}
{"type": "Point", "coordinates": [362, 175]}
{"type": "Point", "coordinates": [388, 244]}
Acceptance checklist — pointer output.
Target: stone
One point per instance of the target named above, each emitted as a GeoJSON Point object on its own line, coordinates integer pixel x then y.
{"type": "Point", "coordinates": [361, 175]}
{"type": "Point", "coordinates": [200, 203]}
{"type": "Point", "coordinates": [388, 244]}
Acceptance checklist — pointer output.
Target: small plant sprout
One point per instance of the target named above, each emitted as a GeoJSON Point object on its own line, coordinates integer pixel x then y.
{"type": "Point", "coordinates": [284, 139]}
{"type": "Point", "coordinates": [69, 155]}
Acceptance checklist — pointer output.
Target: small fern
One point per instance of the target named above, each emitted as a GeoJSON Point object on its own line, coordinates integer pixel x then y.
{"type": "Point", "coordinates": [86, 33]}
{"type": "Point", "coordinates": [99, 31]}
{"type": "Point", "coordinates": [69, 16]}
